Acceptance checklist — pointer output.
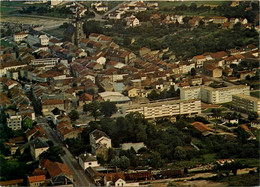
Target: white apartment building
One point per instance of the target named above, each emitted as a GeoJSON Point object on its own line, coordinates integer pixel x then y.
{"type": "Point", "coordinates": [222, 95]}
{"type": "Point", "coordinates": [49, 62]}
{"type": "Point", "coordinates": [56, 2]}
{"type": "Point", "coordinates": [20, 36]}
{"type": "Point", "coordinates": [246, 103]}
{"type": "Point", "coordinates": [190, 93]}
{"type": "Point", "coordinates": [35, 37]}
{"type": "Point", "coordinates": [168, 108]}
{"type": "Point", "coordinates": [14, 122]}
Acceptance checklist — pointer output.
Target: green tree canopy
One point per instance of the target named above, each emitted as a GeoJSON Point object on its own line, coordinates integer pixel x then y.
{"type": "Point", "coordinates": [108, 108]}
{"type": "Point", "coordinates": [74, 115]}
{"type": "Point", "coordinates": [94, 109]}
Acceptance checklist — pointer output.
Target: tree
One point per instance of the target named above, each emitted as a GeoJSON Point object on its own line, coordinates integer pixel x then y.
{"type": "Point", "coordinates": [94, 109]}
{"type": "Point", "coordinates": [180, 153]}
{"type": "Point", "coordinates": [108, 108]}
{"type": "Point", "coordinates": [193, 72]}
{"type": "Point", "coordinates": [216, 112]}
{"type": "Point", "coordinates": [252, 116]}
{"type": "Point", "coordinates": [153, 95]}
{"type": "Point", "coordinates": [124, 162]}
{"type": "Point", "coordinates": [155, 160]}
{"type": "Point", "coordinates": [53, 153]}
{"type": "Point", "coordinates": [27, 123]}
{"type": "Point", "coordinates": [74, 115]}
{"type": "Point", "coordinates": [115, 162]}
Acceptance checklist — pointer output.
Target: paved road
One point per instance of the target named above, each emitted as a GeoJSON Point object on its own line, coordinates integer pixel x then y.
{"type": "Point", "coordinates": [80, 177]}
{"type": "Point", "coordinates": [113, 9]}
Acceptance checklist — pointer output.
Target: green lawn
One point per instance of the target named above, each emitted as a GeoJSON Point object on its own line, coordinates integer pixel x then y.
{"type": "Point", "coordinates": [58, 32]}
{"type": "Point", "coordinates": [249, 161]}
{"type": "Point", "coordinates": [209, 157]}
{"type": "Point", "coordinates": [8, 7]}
{"type": "Point", "coordinates": [242, 180]}
{"type": "Point", "coordinates": [6, 44]}
{"type": "Point", "coordinates": [167, 4]}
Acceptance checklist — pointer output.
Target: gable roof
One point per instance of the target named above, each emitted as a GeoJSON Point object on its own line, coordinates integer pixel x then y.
{"type": "Point", "coordinates": [98, 134]}
{"type": "Point", "coordinates": [56, 168]}
{"type": "Point", "coordinates": [114, 176]}
{"type": "Point", "coordinates": [38, 178]}
{"type": "Point", "coordinates": [86, 97]}
{"type": "Point", "coordinates": [52, 102]}
{"type": "Point", "coordinates": [201, 126]}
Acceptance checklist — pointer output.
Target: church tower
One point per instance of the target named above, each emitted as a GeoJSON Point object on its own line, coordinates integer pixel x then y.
{"type": "Point", "coordinates": [74, 33]}
{"type": "Point", "coordinates": [78, 24]}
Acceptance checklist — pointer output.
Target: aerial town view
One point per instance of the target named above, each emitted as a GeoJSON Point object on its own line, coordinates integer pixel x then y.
{"type": "Point", "coordinates": [129, 93]}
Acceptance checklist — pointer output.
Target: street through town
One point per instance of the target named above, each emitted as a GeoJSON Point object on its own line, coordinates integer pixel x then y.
{"type": "Point", "coordinates": [81, 179]}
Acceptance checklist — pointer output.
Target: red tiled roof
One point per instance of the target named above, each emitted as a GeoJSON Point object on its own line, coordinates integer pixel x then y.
{"type": "Point", "coordinates": [11, 182]}
{"type": "Point", "coordinates": [199, 57]}
{"type": "Point", "coordinates": [38, 178]}
{"type": "Point", "coordinates": [52, 102]}
{"type": "Point", "coordinates": [86, 97]}
{"type": "Point", "coordinates": [44, 163]}
{"type": "Point", "coordinates": [219, 17]}
{"type": "Point", "coordinates": [94, 35]}
{"type": "Point", "coordinates": [56, 168]}
{"type": "Point", "coordinates": [39, 171]}
{"type": "Point", "coordinates": [245, 127]}
{"type": "Point", "coordinates": [115, 176]}
{"type": "Point", "coordinates": [201, 127]}
{"type": "Point", "coordinates": [219, 54]}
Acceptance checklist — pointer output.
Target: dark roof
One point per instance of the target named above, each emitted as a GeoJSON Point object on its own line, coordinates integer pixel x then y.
{"type": "Point", "coordinates": [98, 134]}
{"type": "Point", "coordinates": [38, 143]}
{"type": "Point", "coordinates": [56, 111]}
{"type": "Point", "coordinates": [61, 180]}
{"type": "Point", "coordinates": [87, 157]}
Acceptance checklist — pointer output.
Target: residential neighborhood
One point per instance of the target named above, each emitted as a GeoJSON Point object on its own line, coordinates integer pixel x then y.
{"type": "Point", "coordinates": [129, 93]}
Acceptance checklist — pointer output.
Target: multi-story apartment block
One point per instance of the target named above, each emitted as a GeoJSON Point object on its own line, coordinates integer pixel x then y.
{"type": "Point", "coordinates": [167, 108]}
{"type": "Point", "coordinates": [190, 93]}
{"type": "Point", "coordinates": [20, 36]}
{"type": "Point", "coordinates": [35, 37]}
{"type": "Point", "coordinates": [47, 62]}
{"type": "Point", "coordinates": [222, 95]}
{"type": "Point", "coordinates": [14, 122]}
{"type": "Point", "coordinates": [246, 103]}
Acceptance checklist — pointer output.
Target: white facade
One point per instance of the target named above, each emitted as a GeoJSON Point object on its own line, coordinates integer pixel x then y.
{"type": "Point", "coordinates": [190, 93]}
{"type": "Point", "coordinates": [222, 95]}
{"type": "Point", "coordinates": [246, 103]}
{"type": "Point", "coordinates": [45, 61]}
{"type": "Point", "coordinates": [14, 122]}
{"type": "Point", "coordinates": [20, 37]}
{"type": "Point", "coordinates": [166, 108]}
{"type": "Point", "coordinates": [87, 160]}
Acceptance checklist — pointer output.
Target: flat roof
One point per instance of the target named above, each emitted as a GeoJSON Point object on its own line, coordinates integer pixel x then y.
{"type": "Point", "coordinates": [224, 88]}
{"type": "Point", "coordinates": [247, 97]}
{"type": "Point", "coordinates": [159, 103]}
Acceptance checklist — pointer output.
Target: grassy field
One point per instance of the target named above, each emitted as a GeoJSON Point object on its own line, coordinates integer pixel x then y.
{"type": "Point", "coordinates": [242, 180]}
{"type": "Point", "coordinates": [250, 162]}
{"type": "Point", "coordinates": [167, 4]}
{"type": "Point", "coordinates": [9, 7]}
{"type": "Point", "coordinates": [6, 44]}
{"type": "Point", "coordinates": [57, 32]}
